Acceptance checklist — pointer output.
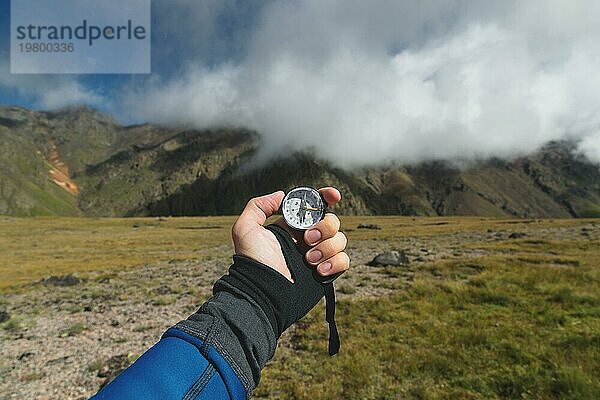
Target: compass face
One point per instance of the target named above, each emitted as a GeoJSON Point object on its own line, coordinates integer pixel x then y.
{"type": "Point", "coordinates": [303, 207]}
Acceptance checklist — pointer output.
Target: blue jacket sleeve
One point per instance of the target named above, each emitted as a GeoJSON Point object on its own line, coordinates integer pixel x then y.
{"type": "Point", "coordinates": [179, 366]}
{"type": "Point", "coordinates": [219, 352]}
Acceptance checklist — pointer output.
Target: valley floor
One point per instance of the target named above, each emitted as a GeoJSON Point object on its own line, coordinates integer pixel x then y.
{"type": "Point", "coordinates": [486, 308]}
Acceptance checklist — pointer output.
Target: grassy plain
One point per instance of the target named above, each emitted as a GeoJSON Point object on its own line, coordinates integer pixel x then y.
{"type": "Point", "coordinates": [520, 323]}
{"type": "Point", "coordinates": [34, 248]}
{"type": "Point", "coordinates": [487, 316]}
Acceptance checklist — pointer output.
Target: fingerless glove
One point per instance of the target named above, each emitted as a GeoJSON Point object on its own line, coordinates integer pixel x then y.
{"type": "Point", "coordinates": [282, 301]}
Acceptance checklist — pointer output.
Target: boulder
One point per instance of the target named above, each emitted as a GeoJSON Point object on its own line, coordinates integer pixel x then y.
{"type": "Point", "coordinates": [392, 258]}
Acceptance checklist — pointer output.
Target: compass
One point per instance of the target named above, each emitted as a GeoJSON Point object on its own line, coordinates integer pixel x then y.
{"type": "Point", "coordinates": [303, 207]}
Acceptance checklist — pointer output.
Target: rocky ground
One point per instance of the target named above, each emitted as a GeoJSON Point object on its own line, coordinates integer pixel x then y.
{"type": "Point", "coordinates": [63, 338]}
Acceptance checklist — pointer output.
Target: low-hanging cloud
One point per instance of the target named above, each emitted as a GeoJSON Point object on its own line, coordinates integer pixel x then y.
{"type": "Point", "coordinates": [370, 82]}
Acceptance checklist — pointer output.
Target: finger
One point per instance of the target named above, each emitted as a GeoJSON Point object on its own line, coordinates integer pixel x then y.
{"type": "Point", "coordinates": [331, 195]}
{"type": "Point", "coordinates": [324, 229]}
{"type": "Point", "coordinates": [326, 249]}
{"type": "Point", "coordinates": [334, 265]}
{"type": "Point", "coordinates": [257, 211]}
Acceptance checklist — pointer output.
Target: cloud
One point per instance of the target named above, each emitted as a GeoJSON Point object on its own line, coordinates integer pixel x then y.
{"type": "Point", "coordinates": [365, 83]}
{"type": "Point", "coordinates": [66, 93]}
{"type": "Point", "coordinates": [48, 92]}
{"type": "Point", "coordinates": [370, 82]}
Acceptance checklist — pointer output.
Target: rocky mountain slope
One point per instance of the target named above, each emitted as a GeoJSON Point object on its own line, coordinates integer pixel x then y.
{"type": "Point", "coordinates": [81, 162]}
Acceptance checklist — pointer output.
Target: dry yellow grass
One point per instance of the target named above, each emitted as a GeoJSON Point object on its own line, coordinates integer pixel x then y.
{"type": "Point", "coordinates": [34, 248]}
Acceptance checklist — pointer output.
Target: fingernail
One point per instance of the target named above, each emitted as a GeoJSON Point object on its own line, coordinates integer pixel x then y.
{"type": "Point", "coordinates": [314, 256]}
{"type": "Point", "coordinates": [313, 236]}
{"type": "Point", "coordinates": [325, 267]}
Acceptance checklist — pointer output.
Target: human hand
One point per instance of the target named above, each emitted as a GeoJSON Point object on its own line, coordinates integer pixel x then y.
{"type": "Point", "coordinates": [323, 244]}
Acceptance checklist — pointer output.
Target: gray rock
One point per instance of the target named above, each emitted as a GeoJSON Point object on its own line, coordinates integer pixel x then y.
{"type": "Point", "coordinates": [162, 289]}
{"type": "Point", "coordinates": [64, 280]}
{"type": "Point", "coordinates": [25, 355]}
{"type": "Point", "coordinates": [516, 235]}
{"type": "Point", "coordinates": [4, 316]}
{"type": "Point", "coordinates": [393, 258]}
{"type": "Point", "coordinates": [368, 226]}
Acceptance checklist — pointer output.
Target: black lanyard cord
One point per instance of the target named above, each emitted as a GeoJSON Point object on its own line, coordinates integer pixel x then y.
{"type": "Point", "coordinates": [334, 337]}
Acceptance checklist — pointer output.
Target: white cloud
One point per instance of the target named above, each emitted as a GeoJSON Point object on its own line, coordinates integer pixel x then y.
{"type": "Point", "coordinates": [199, 98]}
{"type": "Point", "coordinates": [590, 147]}
{"type": "Point", "coordinates": [365, 82]}
{"type": "Point", "coordinates": [67, 93]}
{"type": "Point", "coordinates": [48, 92]}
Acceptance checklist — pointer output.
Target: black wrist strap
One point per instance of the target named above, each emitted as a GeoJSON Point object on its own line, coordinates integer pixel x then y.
{"type": "Point", "coordinates": [334, 337]}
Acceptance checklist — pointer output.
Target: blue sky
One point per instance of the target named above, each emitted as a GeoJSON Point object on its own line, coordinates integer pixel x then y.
{"type": "Point", "coordinates": [174, 45]}
{"type": "Point", "coordinates": [12, 95]}
{"type": "Point", "coordinates": [358, 82]}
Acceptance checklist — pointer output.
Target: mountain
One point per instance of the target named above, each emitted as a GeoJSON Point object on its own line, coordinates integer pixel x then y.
{"type": "Point", "coordinates": [78, 161]}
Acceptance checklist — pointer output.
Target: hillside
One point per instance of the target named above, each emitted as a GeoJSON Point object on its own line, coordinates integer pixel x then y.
{"type": "Point", "coordinates": [81, 162]}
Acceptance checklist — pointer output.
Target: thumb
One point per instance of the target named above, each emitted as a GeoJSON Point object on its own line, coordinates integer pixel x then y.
{"type": "Point", "coordinates": [258, 210]}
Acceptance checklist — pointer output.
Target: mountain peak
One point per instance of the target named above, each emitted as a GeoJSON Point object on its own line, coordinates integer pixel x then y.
{"type": "Point", "coordinates": [81, 112]}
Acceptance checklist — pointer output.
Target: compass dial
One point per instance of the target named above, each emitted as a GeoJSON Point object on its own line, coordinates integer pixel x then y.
{"type": "Point", "coordinates": [303, 207]}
